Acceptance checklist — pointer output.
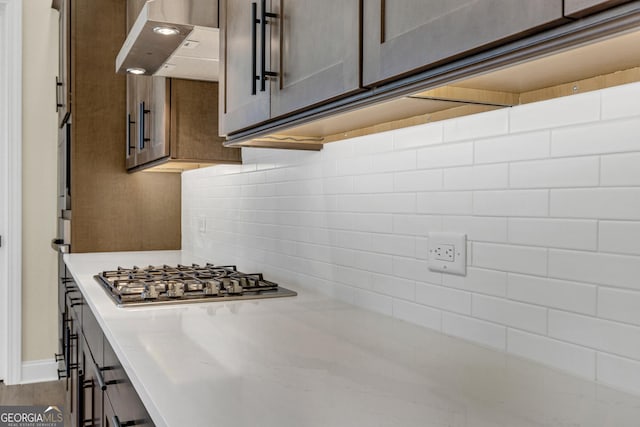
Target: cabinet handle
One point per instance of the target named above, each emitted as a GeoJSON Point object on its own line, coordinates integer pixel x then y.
{"type": "Point", "coordinates": [142, 124]}
{"type": "Point", "coordinates": [254, 21]}
{"type": "Point", "coordinates": [58, 104]}
{"type": "Point", "coordinates": [383, 21]}
{"type": "Point", "coordinates": [129, 123]}
{"type": "Point", "coordinates": [99, 377]}
{"type": "Point", "coordinates": [67, 351]}
{"type": "Point", "coordinates": [264, 73]}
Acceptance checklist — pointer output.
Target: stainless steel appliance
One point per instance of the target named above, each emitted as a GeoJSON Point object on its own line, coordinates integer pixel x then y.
{"type": "Point", "coordinates": [62, 241]}
{"type": "Point", "coordinates": [184, 284]}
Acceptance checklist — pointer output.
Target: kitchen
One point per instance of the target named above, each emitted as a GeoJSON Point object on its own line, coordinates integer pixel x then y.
{"type": "Point", "coordinates": [546, 193]}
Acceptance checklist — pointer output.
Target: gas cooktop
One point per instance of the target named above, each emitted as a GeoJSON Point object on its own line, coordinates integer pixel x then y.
{"type": "Point", "coordinates": [185, 283]}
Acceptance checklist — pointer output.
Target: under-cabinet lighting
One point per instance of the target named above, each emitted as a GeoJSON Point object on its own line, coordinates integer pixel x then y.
{"type": "Point", "coordinates": [136, 70]}
{"type": "Point", "coordinates": [166, 31]}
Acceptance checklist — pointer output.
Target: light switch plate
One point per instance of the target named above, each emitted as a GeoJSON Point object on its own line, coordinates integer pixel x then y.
{"type": "Point", "coordinates": [202, 224]}
{"type": "Point", "coordinates": [447, 252]}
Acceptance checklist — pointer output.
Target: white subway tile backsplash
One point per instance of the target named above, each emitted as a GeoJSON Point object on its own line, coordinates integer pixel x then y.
{"type": "Point", "coordinates": [600, 137]}
{"type": "Point", "coordinates": [373, 301]}
{"type": "Point", "coordinates": [350, 276]}
{"type": "Point", "coordinates": [379, 203]}
{"type": "Point", "coordinates": [479, 280]}
{"type": "Point", "coordinates": [555, 233]}
{"type": "Point", "coordinates": [605, 269]}
{"type": "Point", "coordinates": [375, 223]}
{"type": "Point", "coordinates": [418, 314]}
{"type": "Point", "coordinates": [601, 203]}
{"type": "Point", "coordinates": [524, 146]}
{"type": "Point", "coordinates": [567, 173]}
{"type": "Point", "coordinates": [477, 228]}
{"type": "Point", "coordinates": [616, 338]}
{"type": "Point", "coordinates": [393, 162]}
{"type": "Point", "coordinates": [620, 170]}
{"type": "Point", "coordinates": [517, 259]}
{"type": "Point", "coordinates": [511, 203]}
{"type": "Point", "coordinates": [445, 156]}
{"type": "Point", "coordinates": [621, 101]}
{"type": "Point", "coordinates": [568, 357]}
{"type": "Point", "coordinates": [570, 296]}
{"type": "Point", "coordinates": [477, 125]}
{"type": "Point", "coordinates": [338, 185]}
{"type": "Point", "coordinates": [619, 236]}
{"type": "Point", "coordinates": [422, 180]}
{"type": "Point", "coordinates": [379, 183]}
{"type": "Point", "coordinates": [477, 177]}
{"type": "Point", "coordinates": [510, 313]}
{"type": "Point", "coordinates": [618, 372]}
{"type": "Point", "coordinates": [418, 136]}
{"type": "Point", "coordinates": [443, 298]}
{"type": "Point", "coordinates": [394, 286]}
{"type": "Point", "coordinates": [377, 263]}
{"type": "Point", "coordinates": [443, 202]}
{"type": "Point", "coordinates": [376, 143]}
{"type": "Point", "coordinates": [354, 165]}
{"type": "Point", "coordinates": [417, 225]}
{"type": "Point", "coordinates": [620, 305]}
{"type": "Point", "coordinates": [546, 257]}
{"type": "Point", "coordinates": [479, 331]}
{"type": "Point", "coordinates": [395, 245]}
{"type": "Point", "coordinates": [568, 110]}
{"type": "Point", "coordinates": [415, 269]}
{"type": "Point", "coordinates": [422, 248]}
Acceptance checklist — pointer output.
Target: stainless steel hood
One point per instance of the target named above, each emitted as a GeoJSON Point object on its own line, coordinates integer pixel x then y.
{"type": "Point", "coordinates": [189, 51]}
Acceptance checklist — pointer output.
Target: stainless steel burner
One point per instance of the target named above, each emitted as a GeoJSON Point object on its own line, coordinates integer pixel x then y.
{"type": "Point", "coordinates": [169, 285]}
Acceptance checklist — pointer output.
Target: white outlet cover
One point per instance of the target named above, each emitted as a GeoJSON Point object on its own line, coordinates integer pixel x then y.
{"type": "Point", "coordinates": [441, 241]}
{"type": "Point", "coordinates": [202, 224]}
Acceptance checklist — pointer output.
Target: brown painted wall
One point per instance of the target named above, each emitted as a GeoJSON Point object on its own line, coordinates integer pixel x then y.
{"type": "Point", "coordinates": [112, 210]}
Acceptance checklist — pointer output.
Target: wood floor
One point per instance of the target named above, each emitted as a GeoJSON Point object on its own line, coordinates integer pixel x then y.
{"type": "Point", "coordinates": [37, 394]}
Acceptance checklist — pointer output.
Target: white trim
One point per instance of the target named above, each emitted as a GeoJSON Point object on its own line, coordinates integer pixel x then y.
{"type": "Point", "coordinates": [11, 63]}
{"type": "Point", "coordinates": [37, 371]}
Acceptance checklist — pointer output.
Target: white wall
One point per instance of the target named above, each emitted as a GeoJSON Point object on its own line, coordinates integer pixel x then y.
{"type": "Point", "coordinates": [39, 174]}
{"type": "Point", "coordinates": [548, 194]}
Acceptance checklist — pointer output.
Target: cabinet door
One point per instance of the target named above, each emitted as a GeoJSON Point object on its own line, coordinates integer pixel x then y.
{"type": "Point", "coordinates": [125, 402]}
{"type": "Point", "coordinates": [315, 52]}
{"type": "Point", "coordinates": [241, 45]}
{"type": "Point", "coordinates": [131, 138]}
{"type": "Point", "coordinates": [90, 393]}
{"type": "Point", "coordinates": [63, 79]}
{"type": "Point", "coordinates": [405, 36]}
{"type": "Point", "coordinates": [578, 8]}
{"type": "Point", "coordinates": [152, 118]}
{"type": "Point", "coordinates": [159, 117]}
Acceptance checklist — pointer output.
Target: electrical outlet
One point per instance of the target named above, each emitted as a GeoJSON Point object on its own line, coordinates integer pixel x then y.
{"type": "Point", "coordinates": [202, 224]}
{"type": "Point", "coordinates": [444, 252]}
{"type": "Point", "coordinates": [447, 252]}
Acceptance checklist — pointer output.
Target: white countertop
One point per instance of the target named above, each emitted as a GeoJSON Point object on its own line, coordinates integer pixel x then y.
{"type": "Point", "coordinates": [313, 361]}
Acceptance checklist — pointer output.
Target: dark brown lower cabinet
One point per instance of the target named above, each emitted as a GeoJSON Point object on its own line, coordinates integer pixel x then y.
{"type": "Point", "coordinates": [90, 392]}
{"type": "Point", "coordinates": [99, 392]}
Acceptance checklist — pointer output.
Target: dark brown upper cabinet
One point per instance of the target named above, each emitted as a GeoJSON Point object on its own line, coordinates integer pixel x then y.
{"type": "Point", "coordinates": [173, 120]}
{"type": "Point", "coordinates": [63, 79]}
{"type": "Point", "coordinates": [283, 56]}
{"type": "Point", "coordinates": [401, 37]}
{"type": "Point", "coordinates": [579, 8]}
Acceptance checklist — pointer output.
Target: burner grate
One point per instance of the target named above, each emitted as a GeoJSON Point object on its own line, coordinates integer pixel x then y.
{"type": "Point", "coordinates": [185, 283]}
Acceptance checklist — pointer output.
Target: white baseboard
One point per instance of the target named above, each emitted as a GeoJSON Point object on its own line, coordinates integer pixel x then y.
{"type": "Point", "coordinates": [37, 371]}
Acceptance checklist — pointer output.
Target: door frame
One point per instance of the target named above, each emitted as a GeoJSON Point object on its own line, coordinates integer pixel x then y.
{"type": "Point", "coordinates": [11, 203]}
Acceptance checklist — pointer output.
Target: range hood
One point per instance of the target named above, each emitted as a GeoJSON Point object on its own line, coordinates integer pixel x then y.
{"type": "Point", "coordinates": [173, 38]}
